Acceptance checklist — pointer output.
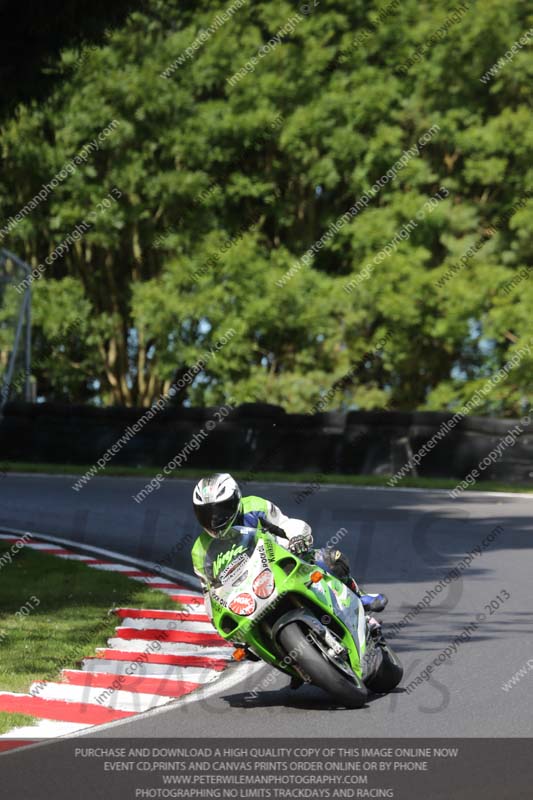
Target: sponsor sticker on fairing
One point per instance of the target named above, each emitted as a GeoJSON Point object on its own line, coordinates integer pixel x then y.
{"type": "Point", "coordinates": [264, 584]}
{"type": "Point", "coordinates": [240, 578]}
{"type": "Point", "coordinates": [233, 567]}
{"type": "Point", "coordinates": [262, 555]}
{"type": "Point", "coordinates": [243, 604]}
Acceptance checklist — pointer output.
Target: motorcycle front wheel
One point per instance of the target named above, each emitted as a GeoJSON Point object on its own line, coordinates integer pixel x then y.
{"type": "Point", "coordinates": [309, 654]}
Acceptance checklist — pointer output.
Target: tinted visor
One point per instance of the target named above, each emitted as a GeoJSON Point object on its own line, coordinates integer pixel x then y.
{"type": "Point", "coordinates": [215, 517]}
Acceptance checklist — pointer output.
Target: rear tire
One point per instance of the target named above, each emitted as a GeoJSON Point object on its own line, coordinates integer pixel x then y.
{"type": "Point", "coordinates": [389, 674]}
{"type": "Point", "coordinates": [320, 670]}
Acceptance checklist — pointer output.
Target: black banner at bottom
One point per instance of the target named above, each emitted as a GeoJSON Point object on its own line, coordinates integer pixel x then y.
{"type": "Point", "coordinates": [153, 769]}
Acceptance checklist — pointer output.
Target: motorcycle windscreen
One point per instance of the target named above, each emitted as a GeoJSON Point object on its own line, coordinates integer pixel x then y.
{"type": "Point", "coordinates": [226, 556]}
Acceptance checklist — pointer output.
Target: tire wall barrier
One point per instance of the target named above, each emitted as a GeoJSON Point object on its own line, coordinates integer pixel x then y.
{"type": "Point", "coordinates": [261, 437]}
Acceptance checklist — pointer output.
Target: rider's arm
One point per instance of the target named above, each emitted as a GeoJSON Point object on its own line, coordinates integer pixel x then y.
{"type": "Point", "coordinates": [294, 530]}
{"type": "Point", "coordinates": [198, 557]}
{"type": "Point", "coordinates": [205, 590]}
{"type": "Point", "coordinates": [290, 526]}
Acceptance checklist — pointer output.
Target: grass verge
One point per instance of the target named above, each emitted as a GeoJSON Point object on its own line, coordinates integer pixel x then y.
{"type": "Point", "coordinates": [284, 477]}
{"type": "Point", "coordinates": [70, 620]}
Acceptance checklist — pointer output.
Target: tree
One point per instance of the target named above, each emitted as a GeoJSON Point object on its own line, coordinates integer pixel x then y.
{"type": "Point", "coordinates": [226, 172]}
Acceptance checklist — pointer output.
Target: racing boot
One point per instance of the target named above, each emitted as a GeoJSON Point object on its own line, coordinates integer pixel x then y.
{"type": "Point", "coordinates": [372, 603]}
{"type": "Point", "coordinates": [337, 563]}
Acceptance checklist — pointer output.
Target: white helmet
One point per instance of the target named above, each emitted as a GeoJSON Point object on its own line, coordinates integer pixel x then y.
{"type": "Point", "coordinates": [216, 502]}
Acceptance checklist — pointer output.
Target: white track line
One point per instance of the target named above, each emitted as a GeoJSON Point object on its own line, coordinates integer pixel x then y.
{"type": "Point", "coordinates": [169, 671]}
{"type": "Point", "coordinates": [155, 579]}
{"type": "Point", "coordinates": [143, 669]}
{"type": "Point", "coordinates": [73, 557]}
{"type": "Point", "coordinates": [177, 590]}
{"type": "Point", "coordinates": [347, 486]}
{"type": "Point", "coordinates": [47, 547]}
{"type": "Point", "coordinates": [169, 648]}
{"type": "Point", "coordinates": [145, 623]}
{"type": "Point", "coordinates": [118, 701]}
{"type": "Point", "coordinates": [45, 729]}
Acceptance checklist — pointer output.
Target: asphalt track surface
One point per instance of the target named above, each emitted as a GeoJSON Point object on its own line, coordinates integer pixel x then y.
{"type": "Point", "coordinates": [401, 542]}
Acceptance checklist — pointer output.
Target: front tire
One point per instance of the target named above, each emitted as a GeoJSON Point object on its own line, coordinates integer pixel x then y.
{"type": "Point", "coordinates": [319, 669]}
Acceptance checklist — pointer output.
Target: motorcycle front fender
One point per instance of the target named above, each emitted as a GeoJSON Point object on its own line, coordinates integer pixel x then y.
{"type": "Point", "coordinates": [298, 615]}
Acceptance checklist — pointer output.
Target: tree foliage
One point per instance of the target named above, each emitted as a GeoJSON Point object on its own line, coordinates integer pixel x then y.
{"type": "Point", "coordinates": [225, 185]}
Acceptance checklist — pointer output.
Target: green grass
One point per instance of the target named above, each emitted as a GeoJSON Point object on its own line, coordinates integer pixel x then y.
{"type": "Point", "coordinates": [285, 477]}
{"type": "Point", "coordinates": [70, 621]}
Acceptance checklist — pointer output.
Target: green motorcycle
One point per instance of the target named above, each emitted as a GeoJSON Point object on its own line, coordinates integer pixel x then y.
{"type": "Point", "coordinates": [297, 617]}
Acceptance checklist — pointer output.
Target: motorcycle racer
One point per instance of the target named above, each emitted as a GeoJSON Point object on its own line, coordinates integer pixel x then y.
{"type": "Point", "coordinates": [219, 506]}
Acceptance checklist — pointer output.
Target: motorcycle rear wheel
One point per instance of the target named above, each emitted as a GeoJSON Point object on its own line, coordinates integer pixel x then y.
{"type": "Point", "coordinates": [389, 674]}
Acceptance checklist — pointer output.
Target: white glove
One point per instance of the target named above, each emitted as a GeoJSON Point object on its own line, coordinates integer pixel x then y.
{"type": "Point", "coordinates": [301, 543]}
